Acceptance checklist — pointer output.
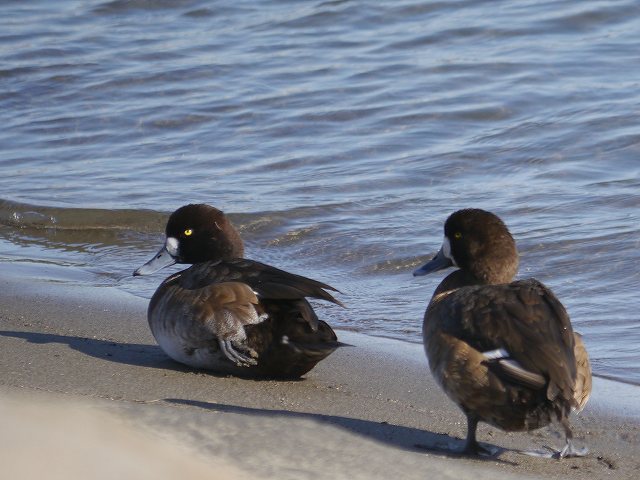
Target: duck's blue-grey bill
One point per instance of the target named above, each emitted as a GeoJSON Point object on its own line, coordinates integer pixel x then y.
{"type": "Point", "coordinates": [439, 262]}
{"type": "Point", "coordinates": [162, 259]}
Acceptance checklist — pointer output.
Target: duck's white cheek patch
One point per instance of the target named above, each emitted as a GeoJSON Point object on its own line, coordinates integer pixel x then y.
{"type": "Point", "coordinates": [446, 250]}
{"type": "Point", "coordinates": [172, 245]}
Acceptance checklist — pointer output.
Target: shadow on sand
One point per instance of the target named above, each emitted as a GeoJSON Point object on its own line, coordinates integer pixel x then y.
{"type": "Point", "coordinates": [397, 436]}
{"type": "Point", "coordinates": [151, 356]}
{"type": "Point", "coordinates": [136, 354]}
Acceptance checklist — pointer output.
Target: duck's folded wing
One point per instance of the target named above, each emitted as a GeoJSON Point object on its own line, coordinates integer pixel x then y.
{"type": "Point", "coordinates": [267, 281]}
{"type": "Point", "coordinates": [525, 332]}
{"type": "Point", "coordinates": [224, 309]}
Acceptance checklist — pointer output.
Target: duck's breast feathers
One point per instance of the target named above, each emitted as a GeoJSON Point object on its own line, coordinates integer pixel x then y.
{"type": "Point", "coordinates": [267, 281]}
{"type": "Point", "coordinates": [523, 318]}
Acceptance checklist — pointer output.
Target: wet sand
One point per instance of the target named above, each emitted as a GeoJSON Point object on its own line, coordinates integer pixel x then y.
{"type": "Point", "coordinates": [368, 411]}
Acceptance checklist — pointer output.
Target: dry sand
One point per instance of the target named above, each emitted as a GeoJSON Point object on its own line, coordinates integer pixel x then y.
{"type": "Point", "coordinates": [84, 386]}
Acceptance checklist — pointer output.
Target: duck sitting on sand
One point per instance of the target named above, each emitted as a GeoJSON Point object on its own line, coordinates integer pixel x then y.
{"type": "Point", "coordinates": [231, 314]}
{"type": "Point", "coordinates": [503, 350]}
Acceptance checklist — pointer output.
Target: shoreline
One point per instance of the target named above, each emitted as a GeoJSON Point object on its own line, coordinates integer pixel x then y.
{"type": "Point", "coordinates": [366, 411]}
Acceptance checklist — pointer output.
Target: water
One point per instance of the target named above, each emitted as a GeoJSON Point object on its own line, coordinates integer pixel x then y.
{"type": "Point", "coordinates": [338, 135]}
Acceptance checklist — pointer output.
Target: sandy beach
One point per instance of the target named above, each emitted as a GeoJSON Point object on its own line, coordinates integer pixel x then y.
{"type": "Point", "coordinates": [85, 386]}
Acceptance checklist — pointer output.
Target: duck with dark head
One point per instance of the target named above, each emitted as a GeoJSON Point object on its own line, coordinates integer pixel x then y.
{"type": "Point", "coordinates": [230, 314]}
{"type": "Point", "coordinates": [503, 350]}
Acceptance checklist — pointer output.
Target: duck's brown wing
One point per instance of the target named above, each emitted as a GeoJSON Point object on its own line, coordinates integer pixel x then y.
{"type": "Point", "coordinates": [267, 281]}
{"type": "Point", "coordinates": [526, 324]}
{"type": "Point", "coordinates": [279, 291]}
{"type": "Point", "coordinates": [225, 307]}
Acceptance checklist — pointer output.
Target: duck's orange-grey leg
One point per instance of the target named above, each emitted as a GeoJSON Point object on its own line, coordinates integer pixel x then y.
{"type": "Point", "coordinates": [240, 359]}
{"type": "Point", "coordinates": [471, 446]}
{"type": "Point", "coordinates": [569, 450]}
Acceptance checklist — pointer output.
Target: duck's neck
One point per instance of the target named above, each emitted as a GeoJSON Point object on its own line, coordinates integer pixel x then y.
{"type": "Point", "coordinates": [455, 280]}
{"type": "Point", "coordinates": [222, 249]}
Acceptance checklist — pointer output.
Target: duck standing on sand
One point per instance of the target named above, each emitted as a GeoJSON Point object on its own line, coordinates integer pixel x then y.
{"type": "Point", "coordinates": [231, 314]}
{"type": "Point", "coordinates": [503, 350]}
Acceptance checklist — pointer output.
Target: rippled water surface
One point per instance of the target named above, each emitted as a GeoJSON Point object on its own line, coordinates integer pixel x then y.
{"type": "Point", "coordinates": [338, 135]}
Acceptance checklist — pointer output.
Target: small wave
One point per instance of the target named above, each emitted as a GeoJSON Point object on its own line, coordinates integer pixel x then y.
{"type": "Point", "coordinates": [123, 6]}
{"type": "Point", "coordinates": [26, 216]}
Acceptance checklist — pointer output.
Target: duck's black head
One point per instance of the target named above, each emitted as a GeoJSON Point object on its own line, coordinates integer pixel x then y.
{"type": "Point", "coordinates": [196, 233]}
{"type": "Point", "coordinates": [479, 244]}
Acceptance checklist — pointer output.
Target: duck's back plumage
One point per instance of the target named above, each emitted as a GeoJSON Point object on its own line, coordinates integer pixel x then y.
{"type": "Point", "coordinates": [267, 281]}
{"type": "Point", "coordinates": [527, 322]}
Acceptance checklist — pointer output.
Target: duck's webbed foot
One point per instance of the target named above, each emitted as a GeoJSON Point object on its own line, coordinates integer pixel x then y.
{"type": "Point", "coordinates": [471, 445]}
{"type": "Point", "coordinates": [241, 355]}
{"type": "Point", "coordinates": [570, 450]}
{"type": "Point", "coordinates": [473, 448]}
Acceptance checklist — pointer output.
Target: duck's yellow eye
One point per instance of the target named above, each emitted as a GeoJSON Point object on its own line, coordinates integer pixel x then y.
{"type": "Point", "coordinates": [188, 232]}
{"type": "Point", "coordinates": [457, 235]}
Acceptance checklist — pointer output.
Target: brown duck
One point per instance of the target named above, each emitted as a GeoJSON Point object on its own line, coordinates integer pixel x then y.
{"type": "Point", "coordinates": [503, 350]}
{"type": "Point", "coordinates": [231, 314]}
